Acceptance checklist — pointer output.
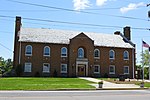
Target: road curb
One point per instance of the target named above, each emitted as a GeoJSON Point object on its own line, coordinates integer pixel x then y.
{"type": "Point", "coordinates": [121, 88]}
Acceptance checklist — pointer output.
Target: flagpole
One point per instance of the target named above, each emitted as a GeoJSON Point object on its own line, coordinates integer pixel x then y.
{"type": "Point", "coordinates": [142, 62]}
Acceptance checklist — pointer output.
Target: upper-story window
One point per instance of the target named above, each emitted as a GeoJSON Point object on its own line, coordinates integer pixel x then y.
{"type": "Point", "coordinates": [46, 51]}
{"type": "Point", "coordinates": [28, 51]}
{"type": "Point", "coordinates": [63, 52]}
{"type": "Point", "coordinates": [111, 54]}
{"type": "Point", "coordinates": [81, 53]}
{"type": "Point", "coordinates": [96, 53]}
{"type": "Point", "coordinates": [126, 55]}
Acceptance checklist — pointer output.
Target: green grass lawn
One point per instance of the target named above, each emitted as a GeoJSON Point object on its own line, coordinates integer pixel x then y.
{"type": "Point", "coordinates": [43, 83]}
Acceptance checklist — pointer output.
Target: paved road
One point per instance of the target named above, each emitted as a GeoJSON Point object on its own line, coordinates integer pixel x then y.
{"type": "Point", "coordinates": [76, 95]}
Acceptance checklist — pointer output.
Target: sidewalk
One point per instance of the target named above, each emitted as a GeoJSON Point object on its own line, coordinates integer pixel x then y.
{"type": "Point", "coordinates": [109, 85]}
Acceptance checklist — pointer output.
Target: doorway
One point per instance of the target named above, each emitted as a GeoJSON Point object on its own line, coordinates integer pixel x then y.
{"type": "Point", "coordinates": [81, 70]}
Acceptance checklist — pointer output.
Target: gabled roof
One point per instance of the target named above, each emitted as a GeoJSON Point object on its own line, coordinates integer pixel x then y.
{"type": "Point", "coordinates": [64, 36]}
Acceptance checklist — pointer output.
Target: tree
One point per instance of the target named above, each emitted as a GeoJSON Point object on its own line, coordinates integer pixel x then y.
{"type": "Point", "coordinates": [145, 61]}
{"type": "Point", "coordinates": [5, 65]}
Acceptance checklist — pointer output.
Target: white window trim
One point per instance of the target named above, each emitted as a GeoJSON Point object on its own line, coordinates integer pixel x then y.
{"type": "Point", "coordinates": [98, 69]}
{"type": "Point", "coordinates": [26, 51]}
{"type": "Point", "coordinates": [127, 53]}
{"type": "Point", "coordinates": [48, 70]}
{"type": "Point", "coordinates": [61, 68]}
{"type": "Point", "coordinates": [113, 54]}
{"type": "Point", "coordinates": [44, 51]}
{"type": "Point", "coordinates": [128, 69]}
{"type": "Point", "coordinates": [98, 54]}
{"type": "Point", "coordinates": [25, 67]}
{"type": "Point", "coordinates": [114, 69]}
{"type": "Point", "coordinates": [66, 51]}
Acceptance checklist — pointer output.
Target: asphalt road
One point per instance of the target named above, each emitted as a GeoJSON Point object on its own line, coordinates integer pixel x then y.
{"type": "Point", "coordinates": [76, 95]}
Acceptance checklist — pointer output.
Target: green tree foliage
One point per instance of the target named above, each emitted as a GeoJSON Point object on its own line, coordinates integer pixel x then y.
{"type": "Point", "coordinates": [5, 65]}
{"type": "Point", "coordinates": [145, 61]}
{"type": "Point", "coordinates": [146, 57]}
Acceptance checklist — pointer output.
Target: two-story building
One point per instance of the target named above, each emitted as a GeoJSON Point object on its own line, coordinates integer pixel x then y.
{"type": "Point", "coordinates": [51, 52]}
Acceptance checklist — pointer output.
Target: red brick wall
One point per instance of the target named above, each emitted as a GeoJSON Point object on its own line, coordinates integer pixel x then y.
{"type": "Point", "coordinates": [37, 59]}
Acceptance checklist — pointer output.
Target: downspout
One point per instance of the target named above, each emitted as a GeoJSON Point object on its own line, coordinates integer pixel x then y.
{"type": "Point", "coordinates": [19, 52]}
{"type": "Point", "coordinates": [133, 63]}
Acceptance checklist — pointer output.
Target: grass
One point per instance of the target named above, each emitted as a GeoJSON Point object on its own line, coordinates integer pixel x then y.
{"type": "Point", "coordinates": [43, 83]}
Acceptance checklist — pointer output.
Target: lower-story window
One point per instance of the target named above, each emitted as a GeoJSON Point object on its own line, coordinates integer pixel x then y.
{"type": "Point", "coordinates": [96, 69]}
{"type": "Point", "coordinates": [111, 69]}
{"type": "Point", "coordinates": [126, 69]}
{"type": "Point", "coordinates": [46, 68]}
{"type": "Point", "coordinates": [63, 68]}
{"type": "Point", "coordinates": [28, 67]}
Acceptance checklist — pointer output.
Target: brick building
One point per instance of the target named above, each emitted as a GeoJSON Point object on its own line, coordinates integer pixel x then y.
{"type": "Point", "coordinates": [49, 52]}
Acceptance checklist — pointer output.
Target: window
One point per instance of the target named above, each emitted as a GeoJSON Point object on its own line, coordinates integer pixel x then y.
{"type": "Point", "coordinates": [126, 69]}
{"type": "Point", "coordinates": [46, 51]}
{"type": "Point", "coordinates": [63, 68]}
{"type": "Point", "coordinates": [46, 68]}
{"type": "Point", "coordinates": [81, 53]}
{"type": "Point", "coordinates": [96, 69]}
{"type": "Point", "coordinates": [28, 50]}
{"type": "Point", "coordinates": [27, 67]}
{"type": "Point", "coordinates": [126, 55]}
{"type": "Point", "coordinates": [111, 54]}
{"type": "Point", "coordinates": [63, 52]}
{"type": "Point", "coordinates": [96, 53]}
{"type": "Point", "coordinates": [111, 69]}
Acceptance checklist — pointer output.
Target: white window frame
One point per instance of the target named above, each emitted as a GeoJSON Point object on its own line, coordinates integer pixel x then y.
{"type": "Point", "coordinates": [28, 67]}
{"type": "Point", "coordinates": [113, 68]}
{"type": "Point", "coordinates": [80, 56]}
{"type": "Point", "coordinates": [48, 69]}
{"type": "Point", "coordinates": [124, 69]}
{"type": "Point", "coordinates": [98, 69]}
{"type": "Point", "coordinates": [98, 54]}
{"type": "Point", "coordinates": [46, 52]}
{"type": "Point", "coordinates": [113, 54]}
{"type": "Point", "coordinates": [62, 53]}
{"type": "Point", "coordinates": [127, 55]}
{"type": "Point", "coordinates": [61, 68]}
{"type": "Point", "coordinates": [26, 50]}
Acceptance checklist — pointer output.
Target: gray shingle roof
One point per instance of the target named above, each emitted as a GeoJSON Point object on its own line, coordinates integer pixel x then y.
{"type": "Point", "coordinates": [64, 36]}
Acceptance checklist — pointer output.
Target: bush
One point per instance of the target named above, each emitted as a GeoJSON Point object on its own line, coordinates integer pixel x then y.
{"type": "Point", "coordinates": [19, 70]}
{"type": "Point", "coordinates": [105, 75]}
{"type": "Point", "coordinates": [37, 74]}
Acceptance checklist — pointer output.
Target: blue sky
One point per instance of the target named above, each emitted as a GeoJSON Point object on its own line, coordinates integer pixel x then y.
{"type": "Point", "coordinates": [100, 12]}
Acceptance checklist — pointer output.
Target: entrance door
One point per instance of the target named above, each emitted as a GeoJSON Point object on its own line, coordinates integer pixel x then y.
{"type": "Point", "coordinates": [81, 70]}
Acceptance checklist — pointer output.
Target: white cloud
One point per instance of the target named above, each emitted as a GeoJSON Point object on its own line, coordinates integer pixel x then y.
{"type": "Point", "coordinates": [81, 4]}
{"type": "Point", "coordinates": [100, 2]}
{"type": "Point", "coordinates": [131, 6]}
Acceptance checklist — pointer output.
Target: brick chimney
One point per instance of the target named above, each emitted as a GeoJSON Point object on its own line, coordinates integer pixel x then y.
{"type": "Point", "coordinates": [16, 43]}
{"type": "Point", "coordinates": [18, 25]}
{"type": "Point", "coordinates": [126, 31]}
{"type": "Point", "coordinates": [117, 33]}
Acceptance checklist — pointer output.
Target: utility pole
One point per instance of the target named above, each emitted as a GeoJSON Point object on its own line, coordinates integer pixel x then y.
{"type": "Point", "coordinates": [149, 10]}
{"type": "Point", "coordinates": [149, 47]}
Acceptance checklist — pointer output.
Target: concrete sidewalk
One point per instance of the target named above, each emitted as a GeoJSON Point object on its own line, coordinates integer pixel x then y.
{"type": "Point", "coordinates": [109, 85]}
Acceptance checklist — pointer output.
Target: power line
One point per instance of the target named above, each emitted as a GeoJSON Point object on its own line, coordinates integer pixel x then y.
{"type": "Point", "coordinates": [74, 23]}
{"type": "Point", "coordinates": [6, 32]}
{"type": "Point", "coordinates": [26, 10]}
{"type": "Point", "coordinates": [70, 10]}
{"type": "Point", "coordinates": [6, 47]}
